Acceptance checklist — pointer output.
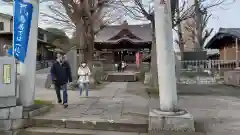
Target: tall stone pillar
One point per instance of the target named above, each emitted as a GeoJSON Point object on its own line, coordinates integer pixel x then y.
{"type": "Point", "coordinates": [169, 116]}
{"type": "Point", "coordinates": [28, 68]}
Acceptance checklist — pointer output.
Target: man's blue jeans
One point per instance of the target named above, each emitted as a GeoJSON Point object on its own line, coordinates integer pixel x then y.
{"type": "Point", "coordinates": [65, 94]}
{"type": "Point", "coordinates": [83, 86]}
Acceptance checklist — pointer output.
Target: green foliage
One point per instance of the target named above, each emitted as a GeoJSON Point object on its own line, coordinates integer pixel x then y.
{"type": "Point", "coordinates": [43, 102]}
{"type": "Point", "coordinates": [57, 32]}
{"type": "Point", "coordinates": [58, 37]}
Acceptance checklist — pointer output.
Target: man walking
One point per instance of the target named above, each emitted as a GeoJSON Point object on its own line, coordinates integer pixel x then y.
{"type": "Point", "coordinates": [61, 75]}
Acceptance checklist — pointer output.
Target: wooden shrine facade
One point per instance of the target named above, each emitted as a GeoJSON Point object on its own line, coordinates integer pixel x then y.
{"type": "Point", "coordinates": [121, 42]}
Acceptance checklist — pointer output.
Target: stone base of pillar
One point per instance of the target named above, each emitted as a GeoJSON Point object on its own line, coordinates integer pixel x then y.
{"type": "Point", "coordinates": [159, 121]}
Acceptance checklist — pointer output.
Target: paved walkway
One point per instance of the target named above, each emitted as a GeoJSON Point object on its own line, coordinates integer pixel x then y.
{"type": "Point", "coordinates": [215, 108]}
{"type": "Point", "coordinates": [111, 103]}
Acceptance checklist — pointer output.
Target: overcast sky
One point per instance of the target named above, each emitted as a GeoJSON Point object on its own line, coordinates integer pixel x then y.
{"type": "Point", "coordinates": [226, 16]}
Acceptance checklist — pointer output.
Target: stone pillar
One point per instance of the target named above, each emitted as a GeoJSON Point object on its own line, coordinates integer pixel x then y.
{"type": "Point", "coordinates": [27, 80]}
{"type": "Point", "coordinates": [168, 116]}
{"type": "Point", "coordinates": [165, 57]}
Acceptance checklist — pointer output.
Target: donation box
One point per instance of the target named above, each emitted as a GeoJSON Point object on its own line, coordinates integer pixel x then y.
{"type": "Point", "coordinates": [7, 77]}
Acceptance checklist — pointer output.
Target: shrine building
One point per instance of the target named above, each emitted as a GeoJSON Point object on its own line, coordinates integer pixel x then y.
{"type": "Point", "coordinates": [117, 43]}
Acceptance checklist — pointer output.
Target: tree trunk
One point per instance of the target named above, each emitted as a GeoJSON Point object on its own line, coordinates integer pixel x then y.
{"type": "Point", "coordinates": [154, 77]}
{"type": "Point", "coordinates": [81, 40]}
{"type": "Point", "coordinates": [198, 20]}
{"type": "Point", "coordinates": [179, 32]}
{"type": "Point", "coordinates": [89, 25]}
{"type": "Point", "coordinates": [90, 43]}
{"type": "Point", "coordinates": [90, 49]}
{"type": "Point", "coordinates": [89, 38]}
{"type": "Point", "coordinates": [181, 44]}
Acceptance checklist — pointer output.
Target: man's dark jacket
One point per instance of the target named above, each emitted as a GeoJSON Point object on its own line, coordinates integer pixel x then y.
{"type": "Point", "coordinates": [61, 73]}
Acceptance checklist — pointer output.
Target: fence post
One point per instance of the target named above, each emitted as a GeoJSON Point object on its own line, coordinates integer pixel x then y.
{"type": "Point", "coordinates": [236, 43]}
{"type": "Point", "coordinates": [219, 65]}
{"type": "Point", "coordinates": [209, 64]}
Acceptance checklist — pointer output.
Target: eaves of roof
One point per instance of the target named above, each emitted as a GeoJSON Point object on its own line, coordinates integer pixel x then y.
{"type": "Point", "coordinates": [222, 33]}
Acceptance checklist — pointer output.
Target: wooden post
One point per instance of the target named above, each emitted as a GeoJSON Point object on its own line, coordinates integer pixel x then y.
{"type": "Point", "coordinates": [236, 44]}
{"type": "Point", "coordinates": [224, 53]}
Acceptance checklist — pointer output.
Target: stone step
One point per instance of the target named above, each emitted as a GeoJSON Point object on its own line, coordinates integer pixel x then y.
{"type": "Point", "coordinates": [123, 125]}
{"type": "Point", "coordinates": [121, 78]}
{"type": "Point", "coordinates": [65, 131]}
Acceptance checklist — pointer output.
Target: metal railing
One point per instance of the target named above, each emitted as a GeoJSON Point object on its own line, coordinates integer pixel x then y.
{"type": "Point", "coordinates": [207, 64]}
{"type": "Point", "coordinates": [204, 71]}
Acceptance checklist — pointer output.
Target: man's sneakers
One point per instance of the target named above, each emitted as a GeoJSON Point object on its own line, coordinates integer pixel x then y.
{"type": "Point", "coordinates": [65, 105]}
{"type": "Point", "coordinates": [59, 101]}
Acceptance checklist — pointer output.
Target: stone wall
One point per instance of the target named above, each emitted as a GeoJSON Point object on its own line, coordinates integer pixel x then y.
{"type": "Point", "coordinates": [11, 118]}
{"type": "Point", "coordinates": [232, 77]}
{"type": "Point", "coordinates": [14, 119]}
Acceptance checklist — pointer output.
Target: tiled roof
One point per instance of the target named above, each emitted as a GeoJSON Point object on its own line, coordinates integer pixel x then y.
{"type": "Point", "coordinates": [231, 31]}
{"type": "Point", "coordinates": [143, 31]}
{"type": "Point", "coordinates": [222, 32]}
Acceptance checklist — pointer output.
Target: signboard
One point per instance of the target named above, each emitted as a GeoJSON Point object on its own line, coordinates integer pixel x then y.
{"type": "Point", "coordinates": [8, 77]}
{"type": "Point", "coordinates": [6, 73]}
{"type": "Point", "coordinates": [22, 25]}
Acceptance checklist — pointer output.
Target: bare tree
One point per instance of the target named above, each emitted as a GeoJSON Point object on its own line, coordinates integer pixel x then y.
{"type": "Point", "coordinates": [199, 33]}
{"type": "Point", "coordinates": [202, 15]}
{"type": "Point", "coordinates": [58, 37]}
{"type": "Point", "coordinates": [84, 18]}
{"type": "Point", "coordinates": [143, 10]}
{"type": "Point", "coordinates": [198, 23]}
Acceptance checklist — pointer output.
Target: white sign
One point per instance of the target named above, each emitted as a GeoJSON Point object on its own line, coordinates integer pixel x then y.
{"type": "Point", "coordinates": [8, 77]}
{"type": "Point", "coordinates": [6, 74]}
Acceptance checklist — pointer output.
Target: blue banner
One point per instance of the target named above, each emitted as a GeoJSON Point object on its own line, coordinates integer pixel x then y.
{"type": "Point", "coordinates": [22, 25]}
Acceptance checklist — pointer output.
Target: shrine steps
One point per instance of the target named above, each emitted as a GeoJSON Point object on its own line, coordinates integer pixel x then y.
{"type": "Point", "coordinates": [55, 126]}
{"type": "Point", "coordinates": [127, 76]}
{"type": "Point", "coordinates": [65, 131]}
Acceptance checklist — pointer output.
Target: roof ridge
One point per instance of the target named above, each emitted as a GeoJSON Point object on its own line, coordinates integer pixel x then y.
{"type": "Point", "coordinates": [6, 15]}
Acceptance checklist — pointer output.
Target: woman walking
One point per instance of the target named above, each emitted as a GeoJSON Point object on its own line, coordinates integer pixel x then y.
{"type": "Point", "coordinates": [84, 78]}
